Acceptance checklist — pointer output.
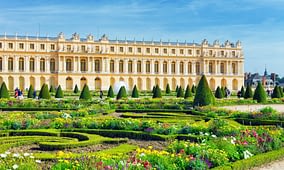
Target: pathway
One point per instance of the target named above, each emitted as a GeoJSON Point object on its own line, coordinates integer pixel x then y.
{"type": "Point", "coordinates": [278, 107]}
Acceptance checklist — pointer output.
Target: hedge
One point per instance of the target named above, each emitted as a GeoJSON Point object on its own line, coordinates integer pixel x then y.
{"type": "Point", "coordinates": [257, 122]}
{"type": "Point", "coordinates": [34, 109]}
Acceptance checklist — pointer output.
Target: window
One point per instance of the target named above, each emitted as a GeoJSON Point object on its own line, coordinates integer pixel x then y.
{"type": "Point", "coordinates": [234, 70]}
{"type": "Point", "coordinates": [148, 67]}
{"type": "Point", "coordinates": [197, 52]}
{"type": "Point", "coordinates": [10, 64]}
{"type": "Point", "coordinates": [10, 45]}
{"type": "Point", "coordinates": [83, 65]}
{"type": "Point", "coordinates": [181, 68]}
{"type": "Point", "coordinates": [112, 49]}
{"type": "Point", "coordinates": [68, 64]}
{"type": "Point", "coordinates": [32, 64]}
{"type": "Point", "coordinates": [130, 66]}
{"type": "Point", "coordinates": [181, 51]}
{"type": "Point", "coordinates": [148, 50]}
{"type": "Point", "coordinates": [233, 54]}
{"type": "Point", "coordinates": [0, 63]}
{"type": "Point", "coordinates": [52, 47]}
{"type": "Point", "coordinates": [190, 52]}
{"type": "Point", "coordinates": [222, 68]}
{"type": "Point", "coordinates": [32, 46]}
{"type": "Point", "coordinates": [139, 50]}
{"type": "Point", "coordinates": [111, 66]}
{"type": "Point", "coordinates": [121, 66]}
{"type": "Point", "coordinates": [156, 67]}
{"type": "Point", "coordinates": [156, 50]}
{"type": "Point", "coordinates": [21, 64]}
{"type": "Point", "coordinates": [97, 49]}
{"type": "Point", "coordinates": [173, 64]}
{"type": "Point", "coordinates": [197, 68]}
{"type": "Point", "coordinates": [121, 49]}
{"type": "Point", "coordinates": [42, 46]}
{"type": "Point", "coordinates": [189, 67]}
{"type": "Point", "coordinates": [165, 67]}
{"type": "Point", "coordinates": [173, 51]}
{"type": "Point", "coordinates": [52, 65]}
{"type": "Point", "coordinates": [97, 66]}
{"type": "Point", "coordinates": [21, 46]}
{"type": "Point", "coordinates": [42, 64]}
{"type": "Point", "coordinates": [130, 49]}
{"type": "Point", "coordinates": [0, 45]}
{"type": "Point", "coordinates": [68, 48]}
{"type": "Point", "coordinates": [210, 68]}
{"type": "Point", "coordinates": [165, 51]}
{"type": "Point", "coordinates": [222, 53]}
{"type": "Point", "coordinates": [210, 52]}
{"type": "Point", "coordinates": [83, 48]}
{"type": "Point", "coordinates": [139, 66]}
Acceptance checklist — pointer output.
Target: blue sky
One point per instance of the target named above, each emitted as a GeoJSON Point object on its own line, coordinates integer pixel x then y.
{"type": "Point", "coordinates": [259, 24]}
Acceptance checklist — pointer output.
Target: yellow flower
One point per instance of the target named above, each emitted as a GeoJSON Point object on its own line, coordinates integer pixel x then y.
{"type": "Point", "coordinates": [66, 161]}
{"type": "Point", "coordinates": [150, 147]}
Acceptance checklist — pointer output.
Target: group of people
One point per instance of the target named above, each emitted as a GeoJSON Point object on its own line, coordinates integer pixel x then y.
{"type": "Point", "coordinates": [19, 94]}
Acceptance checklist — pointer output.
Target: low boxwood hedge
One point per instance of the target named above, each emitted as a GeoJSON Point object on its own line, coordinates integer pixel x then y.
{"type": "Point", "coordinates": [257, 122]}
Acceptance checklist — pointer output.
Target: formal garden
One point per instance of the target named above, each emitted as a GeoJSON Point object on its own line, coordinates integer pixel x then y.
{"type": "Point", "coordinates": [172, 129]}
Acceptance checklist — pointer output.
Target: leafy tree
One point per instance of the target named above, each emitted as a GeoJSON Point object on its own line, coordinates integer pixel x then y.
{"type": "Point", "coordinates": [187, 92]}
{"type": "Point", "coordinates": [85, 94]}
{"type": "Point", "coordinates": [135, 93]}
{"type": "Point", "coordinates": [248, 93]}
{"type": "Point", "coordinates": [259, 94]}
{"type": "Point", "coordinates": [76, 89]}
{"type": "Point", "coordinates": [4, 93]}
{"type": "Point", "coordinates": [204, 95]}
{"type": "Point", "coordinates": [180, 92]}
{"type": "Point", "coordinates": [218, 93]}
{"type": "Point", "coordinates": [59, 92]}
{"type": "Point", "coordinates": [31, 92]}
{"type": "Point", "coordinates": [44, 92]}
{"type": "Point", "coordinates": [193, 89]}
{"type": "Point", "coordinates": [51, 89]}
{"type": "Point", "coordinates": [276, 92]}
{"type": "Point", "coordinates": [157, 93]}
{"type": "Point", "coordinates": [110, 92]}
{"type": "Point", "coordinates": [168, 90]}
{"type": "Point", "coordinates": [242, 91]}
{"type": "Point", "coordinates": [121, 93]}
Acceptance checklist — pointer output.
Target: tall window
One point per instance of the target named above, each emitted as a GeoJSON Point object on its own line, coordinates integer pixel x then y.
{"type": "Point", "coordinates": [197, 68]}
{"type": "Point", "coordinates": [181, 67]}
{"type": "Point", "coordinates": [52, 65]}
{"type": "Point", "coordinates": [1, 64]}
{"type": "Point", "coordinates": [173, 64]}
{"type": "Point", "coordinates": [97, 66]}
{"type": "Point", "coordinates": [234, 70]}
{"type": "Point", "coordinates": [83, 65]}
{"type": "Point", "coordinates": [130, 70]}
{"type": "Point", "coordinates": [148, 67]}
{"type": "Point", "coordinates": [42, 64]}
{"type": "Point", "coordinates": [21, 64]}
{"type": "Point", "coordinates": [210, 68]}
{"type": "Point", "coordinates": [139, 66]}
{"type": "Point", "coordinates": [10, 64]}
{"type": "Point", "coordinates": [121, 66]}
{"type": "Point", "coordinates": [222, 68]}
{"type": "Point", "coordinates": [111, 65]}
{"type": "Point", "coordinates": [165, 67]}
{"type": "Point", "coordinates": [32, 64]}
{"type": "Point", "coordinates": [189, 67]}
{"type": "Point", "coordinates": [156, 67]}
{"type": "Point", "coordinates": [68, 65]}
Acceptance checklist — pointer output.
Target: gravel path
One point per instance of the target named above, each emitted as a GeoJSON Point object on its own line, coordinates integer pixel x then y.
{"type": "Point", "coordinates": [278, 107]}
{"type": "Point", "coordinates": [277, 165]}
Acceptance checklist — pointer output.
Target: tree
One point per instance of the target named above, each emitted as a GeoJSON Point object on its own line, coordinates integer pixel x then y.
{"type": "Point", "coordinates": [44, 92]}
{"type": "Point", "coordinates": [135, 93]}
{"type": "Point", "coordinates": [180, 92]}
{"type": "Point", "coordinates": [85, 93]}
{"type": "Point", "coordinates": [51, 89]}
{"type": "Point", "coordinates": [281, 90]}
{"type": "Point", "coordinates": [59, 92]}
{"type": "Point", "coordinates": [218, 93]}
{"type": "Point", "coordinates": [4, 93]}
{"type": "Point", "coordinates": [276, 92]}
{"type": "Point", "coordinates": [259, 94]}
{"type": "Point", "coordinates": [110, 92]}
{"type": "Point", "coordinates": [204, 95]}
{"type": "Point", "coordinates": [177, 88]}
{"type": "Point", "coordinates": [242, 91]}
{"type": "Point", "coordinates": [168, 90]}
{"type": "Point", "coordinates": [153, 89]}
{"type": "Point", "coordinates": [157, 93]}
{"type": "Point", "coordinates": [31, 92]}
{"type": "Point", "coordinates": [223, 91]}
{"type": "Point", "coordinates": [121, 93]}
{"type": "Point", "coordinates": [187, 92]}
{"type": "Point", "coordinates": [248, 93]}
{"type": "Point", "coordinates": [76, 89]}
{"type": "Point", "coordinates": [193, 89]}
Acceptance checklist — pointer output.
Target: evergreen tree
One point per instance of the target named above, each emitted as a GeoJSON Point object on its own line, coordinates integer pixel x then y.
{"type": "Point", "coordinates": [242, 91]}
{"type": "Point", "coordinates": [193, 89]}
{"type": "Point", "coordinates": [204, 95]}
{"type": "Point", "coordinates": [31, 92]}
{"type": "Point", "coordinates": [59, 92]}
{"type": "Point", "coordinates": [168, 90]}
{"type": "Point", "coordinates": [85, 94]}
{"type": "Point", "coordinates": [218, 93]}
{"type": "Point", "coordinates": [157, 93]}
{"type": "Point", "coordinates": [259, 94]}
{"type": "Point", "coordinates": [223, 91]}
{"type": "Point", "coordinates": [110, 92]}
{"type": "Point", "coordinates": [248, 92]}
{"type": "Point", "coordinates": [121, 93]}
{"type": "Point", "coordinates": [4, 93]}
{"type": "Point", "coordinates": [276, 92]}
{"type": "Point", "coordinates": [44, 92]}
{"type": "Point", "coordinates": [177, 88]}
{"type": "Point", "coordinates": [281, 90]}
{"type": "Point", "coordinates": [76, 89]}
{"type": "Point", "coordinates": [135, 93]}
{"type": "Point", "coordinates": [180, 92]}
{"type": "Point", "coordinates": [187, 92]}
{"type": "Point", "coordinates": [51, 89]}
{"type": "Point", "coordinates": [153, 89]}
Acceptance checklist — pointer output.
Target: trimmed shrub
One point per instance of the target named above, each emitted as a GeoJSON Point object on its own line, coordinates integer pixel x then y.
{"type": "Point", "coordinates": [248, 93]}
{"type": "Point", "coordinates": [204, 95]}
{"type": "Point", "coordinates": [51, 89]}
{"type": "Point", "coordinates": [135, 93]}
{"type": "Point", "coordinates": [218, 93]}
{"type": "Point", "coordinates": [223, 91]}
{"type": "Point", "coordinates": [193, 89]}
{"type": "Point", "coordinates": [59, 92]}
{"type": "Point", "coordinates": [153, 89]}
{"type": "Point", "coordinates": [168, 89]}
{"type": "Point", "coordinates": [177, 88]}
{"type": "Point", "coordinates": [85, 94]}
{"type": "Point", "coordinates": [110, 92]}
{"type": "Point", "coordinates": [31, 92]}
{"type": "Point", "coordinates": [281, 90]}
{"type": "Point", "coordinates": [76, 89]}
{"type": "Point", "coordinates": [121, 93]}
{"type": "Point", "coordinates": [259, 94]}
{"type": "Point", "coordinates": [4, 91]}
{"type": "Point", "coordinates": [187, 92]}
{"type": "Point", "coordinates": [180, 92]}
{"type": "Point", "coordinates": [276, 92]}
{"type": "Point", "coordinates": [44, 92]}
{"type": "Point", "coordinates": [157, 93]}
{"type": "Point", "coordinates": [242, 91]}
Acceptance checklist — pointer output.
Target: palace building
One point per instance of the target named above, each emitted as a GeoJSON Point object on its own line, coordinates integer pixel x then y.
{"type": "Point", "coordinates": [34, 60]}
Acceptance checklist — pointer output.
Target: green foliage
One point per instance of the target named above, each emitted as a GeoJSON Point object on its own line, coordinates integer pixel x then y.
{"type": "Point", "coordinates": [187, 92]}
{"type": "Point", "coordinates": [44, 92]}
{"type": "Point", "coordinates": [31, 92]}
{"type": "Point", "coordinates": [85, 94]}
{"type": "Point", "coordinates": [168, 90]}
{"type": "Point", "coordinates": [76, 89]}
{"type": "Point", "coordinates": [51, 89]}
{"type": "Point", "coordinates": [248, 93]}
{"type": "Point", "coordinates": [135, 93]}
{"type": "Point", "coordinates": [223, 91]}
{"type": "Point", "coordinates": [281, 91]}
{"type": "Point", "coordinates": [276, 92]}
{"type": "Point", "coordinates": [121, 93]}
{"type": "Point", "coordinates": [218, 93]}
{"type": "Point", "coordinates": [157, 93]}
{"type": "Point", "coordinates": [180, 92]}
{"type": "Point", "coordinates": [4, 91]}
{"type": "Point", "coordinates": [59, 92]}
{"type": "Point", "coordinates": [242, 91]}
{"type": "Point", "coordinates": [177, 88]}
{"type": "Point", "coordinates": [153, 89]}
{"type": "Point", "coordinates": [193, 89]}
{"type": "Point", "coordinates": [110, 92]}
{"type": "Point", "coordinates": [204, 95]}
{"type": "Point", "coordinates": [259, 94]}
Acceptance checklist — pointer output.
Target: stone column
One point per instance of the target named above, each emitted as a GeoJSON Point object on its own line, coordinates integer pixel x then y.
{"type": "Point", "coordinates": [185, 67]}
{"type": "Point", "coordinates": [161, 67]}
{"type": "Point", "coordinates": [27, 64]}
{"type": "Point", "coordinates": [16, 65]}
{"type": "Point", "coordinates": [216, 67]}
{"type": "Point", "coordinates": [107, 68]}
{"type": "Point", "coordinates": [177, 67]}
{"type": "Point", "coordinates": [152, 66]}
{"type": "Point", "coordinates": [37, 64]}
{"type": "Point", "coordinates": [228, 68]}
{"type": "Point", "coordinates": [5, 64]}
{"type": "Point", "coordinates": [204, 70]}
{"type": "Point", "coordinates": [78, 65]}
{"type": "Point", "coordinates": [193, 67]}
{"type": "Point", "coordinates": [135, 67]}
{"type": "Point", "coordinates": [63, 64]}
{"type": "Point", "coordinates": [47, 63]}
{"type": "Point", "coordinates": [116, 66]}
{"type": "Point", "coordinates": [89, 64]}
{"type": "Point", "coordinates": [125, 66]}
{"type": "Point", "coordinates": [170, 67]}
{"type": "Point", "coordinates": [143, 67]}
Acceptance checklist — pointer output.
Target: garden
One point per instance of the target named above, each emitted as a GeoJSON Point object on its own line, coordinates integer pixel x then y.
{"type": "Point", "coordinates": [181, 129]}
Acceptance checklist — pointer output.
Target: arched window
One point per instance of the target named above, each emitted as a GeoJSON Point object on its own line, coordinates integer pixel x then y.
{"type": "Point", "coordinates": [181, 68]}
{"type": "Point", "coordinates": [156, 67]}
{"type": "Point", "coordinates": [210, 68]}
{"type": "Point", "coordinates": [83, 65]}
{"type": "Point", "coordinates": [68, 64]}
{"type": "Point", "coordinates": [111, 66]}
{"type": "Point", "coordinates": [52, 65]}
{"type": "Point", "coordinates": [147, 66]}
{"type": "Point", "coordinates": [165, 67]}
{"type": "Point", "coordinates": [189, 68]}
{"type": "Point", "coordinates": [97, 66]}
{"type": "Point", "coordinates": [1, 67]}
{"type": "Point", "coordinates": [234, 70]}
{"type": "Point", "coordinates": [139, 66]}
{"type": "Point", "coordinates": [42, 64]}
{"type": "Point", "coordinates": [197, 68]}
{"type": "Point", "coordinates": [173, 65]}
{"type": "Point", "coordinates": [130, 70]}
{"type": "Point", "coordinates": [222, 68]}
{"type": "Point", "coordinates": [32, 64]}
{"type": "Point", "coordinates": [121, 66]}
{"type": "Point", "coordinates": [21, 64]}
{"type": "Point", "coordinates": [10, 64]}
